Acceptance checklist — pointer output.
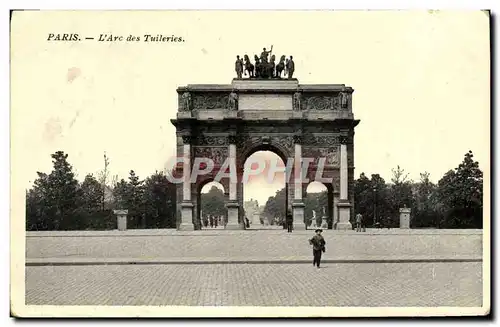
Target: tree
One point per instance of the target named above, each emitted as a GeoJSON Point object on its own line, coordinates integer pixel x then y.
{"type": "Point", "coordinates": [103, 180]}
{"type": "Point", "coordinates": [424, 213]}
{"type": "Point", "coordinates": [212, 203]}
{"type": "Point", "coordinates": [92, 194]}
{"type": "Point", "coordinates": [275, 206]}
{"type": "Point", "coordinates": [460, 195]}
{"type": "Point", "coordinates": [400, 195]}
{"type": "Point", "coordinates": [136, 203]}
{"type": "Point", "coordinates": [62, 194]}
{"type": "Point", "coordinates": [90, 212]}
{"type": "Point", "coordinates": [364, 199]}
{"type": "Point", "coordinates": [37, 214]}
{"type": "Point", "coordinates": [159, 197]}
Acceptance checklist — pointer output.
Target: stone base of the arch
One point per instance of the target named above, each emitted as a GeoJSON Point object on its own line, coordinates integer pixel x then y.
{"type": "Point", "coordinates": [186, 216]}
{"type": "Point", "coordinates": [344, 222]}
{"type": "Point", "coordinates": [298, 216]}
{"type": "Point", "coordinates": [232, 216]}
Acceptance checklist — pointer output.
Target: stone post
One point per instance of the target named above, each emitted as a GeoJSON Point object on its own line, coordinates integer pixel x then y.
{"type": "Point", "coordinates": [344, 205]}
{"type": "Point", "coordinates": [232, 205]}
{"type": "Point", "coordinates": [298, 203]}
{"type": "Point", "coordinates": [186, 205]}
{"type": "Point", "coordinates": [404, 218]}
{"type": "Point", "coordinates": [121, 219]}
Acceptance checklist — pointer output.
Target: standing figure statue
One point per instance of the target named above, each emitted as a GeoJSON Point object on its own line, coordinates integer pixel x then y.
{"type": "Point", "coordinates": [280, 67]}
{"type": "Point", "coordinates": [249, 67]}
{"type": "Point", "coordinates": [290, 67]}
{"type": "Point", "coordinates": [286, 67]}
{"type": "Point", "coordinates": [265, 54]}
{"type": "Point", "coordinates": [343, 100]}
{"type": "Point", "coordinates": [238, 67]}
{"type": "Point", "coordinates": [186, 101]}
{"type": "Point", "coordinates": [233, 101]}
{"type": "Point", "coordinates": [296, 101]}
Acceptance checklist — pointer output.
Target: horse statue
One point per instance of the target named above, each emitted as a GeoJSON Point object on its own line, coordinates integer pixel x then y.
{"type": "Point", "coordinates": [258, 67]}
{"type": "Point", "coordinates": [271, 66]}
{"type": "Point", "coordinates": [280, 67]}
{"type": "Point", "coordinates": [249, 67]}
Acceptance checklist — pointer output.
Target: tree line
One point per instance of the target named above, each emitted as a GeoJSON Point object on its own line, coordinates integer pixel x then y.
{"type": "Point", "coordinates": [57, 201]}
{"type": "Point", "coordinates": [456, 201]}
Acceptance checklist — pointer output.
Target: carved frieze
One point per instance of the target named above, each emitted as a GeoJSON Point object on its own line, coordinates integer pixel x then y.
{"type": "Point", "coordinates": [321, 102]}
{"type": "Point", "coordinates": [267, 129]}
{"type": "Point", "coordinates": [285, 141]}
{"type": "Point", "coordinates": [331, 155]}
{"type": "Point", "coordinates": [320, 140]}
{"type": "Point", "coordinates": [210, 101]}
{"type": "Point", "coordinates": [212, 140]}
{"type": "Point", "coordinates": [217, 154]}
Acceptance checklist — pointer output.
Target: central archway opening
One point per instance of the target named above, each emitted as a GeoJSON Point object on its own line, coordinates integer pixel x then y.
{"type": "Point", "coordinates": [265, 190]}
{"type": "Point", "coordinates": [318, 209]}
{"type": "Point", "coordinates": [212, 209]}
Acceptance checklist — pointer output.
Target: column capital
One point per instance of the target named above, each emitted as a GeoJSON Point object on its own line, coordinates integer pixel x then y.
{"type": "Point", "coordinates": [297, 139]}
{"type": "Point", "coordinates": [343, 139]}
{"type": "Point", "coordinates": [187, 139]}
{"type": "Point", "coordinates": [232, 139]}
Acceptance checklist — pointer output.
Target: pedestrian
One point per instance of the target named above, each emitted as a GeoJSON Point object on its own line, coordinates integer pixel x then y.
{"type": "Point", "coordinates": [215, 221]}
{"type": "Point", "coordinates": [318, 243]}
{"type": "Point", "coordinates": [211, 221]}
{"type": "Point", "coordinates": [289, 222]}
{"type": "Point", "coordinates": [359, 221]}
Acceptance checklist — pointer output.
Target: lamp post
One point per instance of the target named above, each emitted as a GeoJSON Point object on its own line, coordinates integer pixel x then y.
{"type": "Point", "coordinates": [374, 206]}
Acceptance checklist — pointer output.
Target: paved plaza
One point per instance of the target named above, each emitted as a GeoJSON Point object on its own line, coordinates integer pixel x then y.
{"type": "Point", "coordinates": [252, 245]}
{"type": "Point", "coordinates": [363, 284]}
{"type": "Point", "coordinates": [207, 268]}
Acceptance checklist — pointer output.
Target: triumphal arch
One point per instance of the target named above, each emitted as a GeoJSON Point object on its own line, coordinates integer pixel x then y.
{"type": "Point", "coordinates": [270, 112]}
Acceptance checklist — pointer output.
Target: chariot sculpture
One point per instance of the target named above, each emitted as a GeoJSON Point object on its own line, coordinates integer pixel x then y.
{"type": "Point", "coordinates": [265, 67]}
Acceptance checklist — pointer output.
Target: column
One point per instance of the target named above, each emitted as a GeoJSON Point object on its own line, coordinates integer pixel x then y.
{"type": "Point", "coordinates": [186, 205]}
{"type": "Point", "coordinates": [232, 205]}
{"type": "Point", "coordinates": [298, 203]}
{"type": "Point", "coordinates": [344, 206]}
{"type": "Point", "coordinates": [335, 210]}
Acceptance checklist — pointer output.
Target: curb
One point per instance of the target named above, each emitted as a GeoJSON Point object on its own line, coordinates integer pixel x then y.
{"type": "Point", "coordinates": [104, 261]}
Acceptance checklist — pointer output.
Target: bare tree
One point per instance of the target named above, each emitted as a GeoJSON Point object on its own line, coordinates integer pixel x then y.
{"type": "Point", "coordinates": [103, 179]}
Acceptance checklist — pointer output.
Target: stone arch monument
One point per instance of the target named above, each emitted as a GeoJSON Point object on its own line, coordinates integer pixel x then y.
{"type": "Point", "coordinates": [280, 115]}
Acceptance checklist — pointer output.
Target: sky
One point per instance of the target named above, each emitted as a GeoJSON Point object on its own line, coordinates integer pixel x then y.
{"type": "Point", "coordinates": [421, 81]}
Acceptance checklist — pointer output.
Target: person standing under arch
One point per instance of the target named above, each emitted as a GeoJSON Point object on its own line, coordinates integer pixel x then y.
{"type": "Point", "coordinates": [289, 222]}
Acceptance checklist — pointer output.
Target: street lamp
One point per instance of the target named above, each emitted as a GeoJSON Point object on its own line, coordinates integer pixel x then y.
{"type": "Point", "coordinates": [375, 206]}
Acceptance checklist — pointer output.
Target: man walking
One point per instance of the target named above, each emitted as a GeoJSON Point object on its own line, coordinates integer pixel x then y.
{"type": "Point", "coordinates": [318, 243]}
{"type": "Point", "coordinates": [359, 221]}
